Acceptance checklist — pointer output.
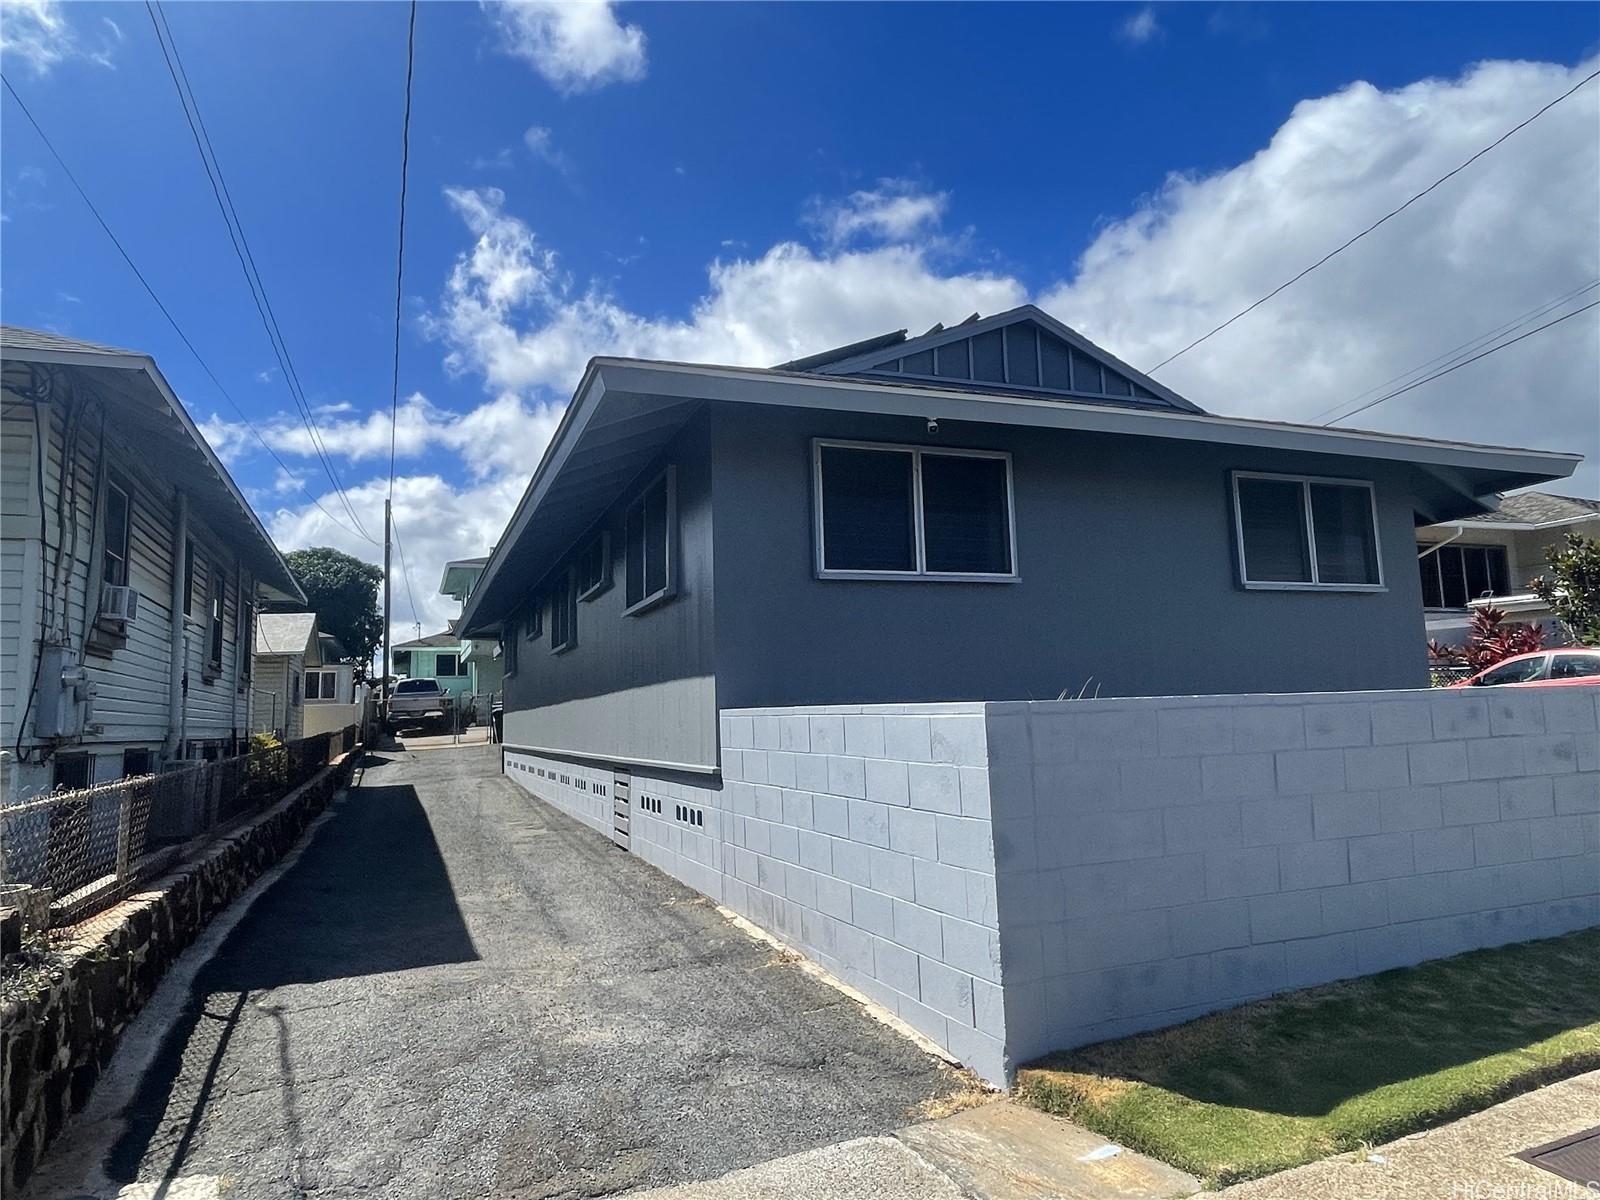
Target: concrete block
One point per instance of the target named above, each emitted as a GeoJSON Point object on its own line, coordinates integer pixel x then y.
{"type": "Point", "coordinates": [1116, 836]}
{"type": "Point", "coordinates": [1577, 793]}
{"type": "Point", "coordinates": [982, 902]}
{"type": "Point", "coordinates": [797, 808]}
{"type": "Point", "coordinates": [988, 1008]}
{"type": "Point", "coordinates": [786, 843]}
{"type": "Point", "coordinates": [959, 740]}
{"type": "Point", "coordinates": [974, 788]}
{"type": "Point", "coordinates": [1371, 768]}
{"type": "Point", "coordinates": [869, 823]}
{"type": "Point", "coordinates": [757, 834]}
{"type": "Point", "coordinates": [1076, 786]}
{"type": "Point", "coordinates": [1285, 915]}
{"type": "Point", "coordinates": [1194, 731]}
{"type": "Point", "coordinates": [1084, 890]}
{"type": "Point", "coordinates": [1305, 772]}
{"type": "Point", "coordinates": [935, 787]}
{"type": "Point", "coordinates": [1248, 971]}
{"type": "Point", "coordinates": [1159, 782]}
{"type": "Point", "coordinates": [811, 772]}
{"type": "Point", "coordinates": [1459, 715]}
{"type": "Point", "coordinates": [830, 815]}
{"type": "Point", "coordinates": [863, 736]}
{"type": "Point", "coordinates": [1438, 762]}
{"type": "Point", "coordinates": [852, 861]}
{"type": "Point", "coordinates": [971, 948]}
{"type": "Point", "coordinates": [1210, 826]}
{"type": "Point", "coordinates": [855, 948]}
{"type": "Point", "coordinates": [794, 734]}
{"type": "Point", "coordinates": [1022, 956]}
{"type": "Point", "coordinates": [1346, 815]}
{"type": "Point", "coordinates": [753, 766]}
{"type": "Point", "coordinates": [940, 887]}
{"type": "Point", "coordinates": [1415, 807]}
{"type": "Point", "coordinates": [1420, 897]}
{"type": "Point", "coordinates": [1314, 864]}
{"type": "Point", "coordinates": [1237, 776]}
{"type": "Point", "coordinates": [946, 990]}
{"type": "Point", "coordinates": [964, 842]}
{"type": "Point", "coordinates": [887, 782]}
{"type": "Point", "coordinates": [1523, 798]}
{"type": "Point", "coordinates": [913, 832]}
{"type": "Point", "coordinates": [1397, 721]}
{"type": "Point", "coordinates": [833, 898]}
{"type": "Point", "coordinates": [816, 851]}
{"type": "Point", "coordinates": [1162, 882]}
{"type": "Point", "coordinates": [917, 928]}
{"type": "Point", "coordinates": [907, 739]}
{"type": "Point", "coordinates": [895, 966]}
{"type": "Point", "coordinates": [1382, 856]}
{"type": "Point", "coordinates": [925, 1020]}
{"type": "Point", "coordinates": [765, 733]}
{"type": "Point", "coordinates": [1568, 710]}
{"type": "Point", "coordinates": [781, 768]}
{"type": "Point", "coordinates": [1213, 925]}
{"type": "Point", "coordinates": [738, 733]}
{"type": "Point", "coordinates": [1252, 871]}
{"type": "Point", "coordinates": [1311, 961]}
{"type": "Point", "coordinates": [1580, 874]}
{"type": "Point", "coordinates": [1447, 849]}
{"type": "Point", "coordinates": [1355, 906]}
{"type": "Point", "coordinates": [870, 910]}
{"type": "Point", "coordinates": [1530, 882]}
{"type": "Point", "coordinates": [1507, 841]}
{"type": "Point", "coordinates": [1016, 845]}
{"type": "Point", "coordinates": [1338, 725]}
{"type": "Point", "coordinates": [892, 873]}
{"type": "Point", "coordinates": [1115, 735]}
{"type": "Point", "coordinates": [800, 885]}
{"type": "Point", "coordinates": [983, 1055]}
{"type": "Point", "coordinates": [1470, 803]}
{"type": "Point", "coordinates": [1551, 754]}
{"type": "Point", "coordinates": [1512, 712]}
{"type": "Point", "coordinates": [1116, 940]}
{"type": "Point", "coordinates": [1269, 727]}
{"type": "Point", "coordinates": [846, 776]}
{"type": "Point", "coordinates": [827, 735]}
{"type": "Point", "coordinates": [1495, 758]}
{"type": "Point", "coordinates": [1276, 821]}
{"type": "Point", "coordinates": [1383, 948]}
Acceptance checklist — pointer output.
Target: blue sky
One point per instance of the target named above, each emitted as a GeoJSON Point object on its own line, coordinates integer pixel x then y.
{"type": "Point", "coordinates": [748, 182]}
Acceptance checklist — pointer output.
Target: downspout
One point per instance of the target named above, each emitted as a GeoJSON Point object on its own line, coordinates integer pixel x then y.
{"type": "Point", "coordinates": [175, 689]}
{"type": "Point", "coordinates": [1459, 530]}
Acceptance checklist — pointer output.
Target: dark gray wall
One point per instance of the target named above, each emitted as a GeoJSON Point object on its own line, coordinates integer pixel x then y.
{"type": "Point", "coordinates": [636, 687]}
{"type": "Point", "coordinates": [1125, 547]}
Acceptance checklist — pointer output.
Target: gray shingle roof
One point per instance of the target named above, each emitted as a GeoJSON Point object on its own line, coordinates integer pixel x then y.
{"type": "Point", "coordinates": [284, 633]}
{"type": "Point", "coordinates": [429, 642]}
{"type": "Point", "coordinates": [1539, 508]}
{"type": "Point", "coordinates": [14, 337]}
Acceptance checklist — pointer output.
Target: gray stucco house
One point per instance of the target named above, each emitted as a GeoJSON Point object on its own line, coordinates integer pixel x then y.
{"type": "Point", "coordinates": [1000, 510]}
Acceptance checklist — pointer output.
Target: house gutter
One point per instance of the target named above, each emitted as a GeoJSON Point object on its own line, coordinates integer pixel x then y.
{"type": "Point", "coordinates": [175, 696]}
{"type": "Point", "coordinates": [1459, 531]}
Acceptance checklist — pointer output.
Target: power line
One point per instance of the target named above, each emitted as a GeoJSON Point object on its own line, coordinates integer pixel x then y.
{"type": "Point", "coordinates": [241, 245]}
{"type": "Point", "coordinates": [1393, 213]}
{"type": "Point", "coordinates": [1457, 366]}
{"type": "Point", "coordinates": [1466, 347]}
{"type": "Point", "coordinates": [405, 571]}
{"type": "Point", "coordinates": [400, 259]}
{"type": "Point", "coordinates": [165, 312]}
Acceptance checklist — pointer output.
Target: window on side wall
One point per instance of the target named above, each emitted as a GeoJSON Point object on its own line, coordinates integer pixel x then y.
{"type": "Point", "coordinates": [534, 627]}
{"type": "Point", "coordinates": [594, 567]}
{"type": "Point", "coordinates": [216, 605]}
{"type": "Point", "coordinates": [564, 613]}
{"type": "Point", "coordinates": [294, 697]}
{"type": "Point", "coordinates": [1454, 575]}
{"type": "Point", "coordinates": [447, 666]}
{"type": "Point", "coordinates": [188, 578]}
{"type": "Point", "coordinates": [649, 536]}
{"type": "Point", "coordinates": [510, 635]}
{"type": "Point", "coordinates": [1305, 532]}
{"type": "Point", "coordinates": [886, 511]}
{"type": "Point", "coordinates": [114, 558]}
{"type": "Point", "coordinates": [322, 685]}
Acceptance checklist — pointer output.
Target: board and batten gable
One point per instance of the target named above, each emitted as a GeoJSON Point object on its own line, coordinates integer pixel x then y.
{"type": "Point", "coordinates": [1128, 579]}
{"type": "Point", "coordinates": [635, 688]}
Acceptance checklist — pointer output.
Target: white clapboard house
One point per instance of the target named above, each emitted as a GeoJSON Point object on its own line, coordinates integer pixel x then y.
{"type": "Point", "coordinates": [130, 569]}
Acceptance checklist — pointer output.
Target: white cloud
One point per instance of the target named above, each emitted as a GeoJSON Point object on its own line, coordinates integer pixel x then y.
{"type": "Point", "coordinates": [897, 210]}
{"type": "Point", "coordinates": [285, 481]}
{"type": "Point", "coordinates": [577, 45]}
{"type": "Point", "coordinates": [1140, 27]}
{"type": "Point", "coordinates": [541, 144]}
{"type": "Point", "coordinates": [1517, 228]}
{"type": "Point", "coordinates": [38, 32]}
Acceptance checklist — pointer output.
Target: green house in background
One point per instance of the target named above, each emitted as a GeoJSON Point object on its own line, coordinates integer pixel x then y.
{"type": "Point", "coordinates": [466, 668]}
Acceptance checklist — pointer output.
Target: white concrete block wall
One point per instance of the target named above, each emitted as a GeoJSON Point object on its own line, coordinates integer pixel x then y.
{"type": "Point", "coordinates": [580, 791]}
{"type": "Point", "coordinates": [860, 835]}
{"type": "Point", "coordinates": [1159, 858]}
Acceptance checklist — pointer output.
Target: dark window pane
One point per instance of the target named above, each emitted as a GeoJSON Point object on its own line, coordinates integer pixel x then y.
{"type": "Point", "coordinates": [1499, 572]}
{"type": "Point", "coordinates": [1054, 363]}
{"type": "Point", "coordinates": [1274, 530]}
{"type": "Point", "coordinates": [965, 526]}
{"type": "Point", "coordinates": [952, 361]}
{"type": "Point", "coordinates": [188, 579]}
{"type": "Point", "coordinates": [1347, 549]}
{"type": "Point", "coordinates": [988, 361]}
{"type": "Point", "coordinates": [1522, 670]}
{"type": "Point", "coordinates": [1022, 355]}
{"type": "Point", "coordinates": [867, 523]}
{"type": "Point", "coordinates": [1432, 596]}
{"type": "Point", "coordinates": [655, 539]}
{"type": "Point", "coordinates": [634, 536]}
{"type": "Point", "coordinates": [1453, 577]}
{"type": "Point", "coordinates": [1085, 374]}
{"type": "Point", "coordinates": [115, 567]}
{"type": "Point", "coordinates": [1575, 666]}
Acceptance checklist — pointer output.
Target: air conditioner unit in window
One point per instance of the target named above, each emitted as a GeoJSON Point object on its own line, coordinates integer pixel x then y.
{"type": "Point", "coordinates": [118, 605]}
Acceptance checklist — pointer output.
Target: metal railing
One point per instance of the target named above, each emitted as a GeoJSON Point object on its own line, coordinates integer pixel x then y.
{"type": "Point", "coordinates": [75, 853]}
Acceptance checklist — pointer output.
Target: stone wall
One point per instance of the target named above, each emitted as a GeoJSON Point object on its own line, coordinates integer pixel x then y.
{"type": "Point", "coordinates": [55, 1043]}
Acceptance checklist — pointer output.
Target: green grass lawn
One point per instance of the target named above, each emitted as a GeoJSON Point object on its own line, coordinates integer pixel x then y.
{"type": "Point", "coordinates": [1298, 1077]}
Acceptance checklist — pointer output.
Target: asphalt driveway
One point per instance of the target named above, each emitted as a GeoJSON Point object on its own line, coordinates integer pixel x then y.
{"type": "Point", "coordinates": [458, 991]}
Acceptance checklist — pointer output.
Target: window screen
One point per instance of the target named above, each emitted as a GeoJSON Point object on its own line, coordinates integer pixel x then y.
{"type": "Point", "coordinates": [508, 646]}
{"type": "Point", "coordinates": [564, 613]}
{"type": "Point", "coordinates": [1310, 532]}
{"type": "Point", "coordinates": [965, 514]}
{"type": "Point", "coordinates": [867, 518]}
{"type": "Point", "coordinates": [114, 568]}
{"type": "Point", "coordinates": [447, 666]}
{"type": "Point", "coordinates": [1341, 520]}
{"type": "Point", "coordinates": [216, 604]}
{"type": "Point", "coordinates": [648, 534]}
{"type": "Point", "coordinates": [1274, 529]}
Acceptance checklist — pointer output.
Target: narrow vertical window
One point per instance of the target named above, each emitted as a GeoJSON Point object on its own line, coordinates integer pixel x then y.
{"type": "Point", "coordinates": [564, 613]}
{"type": "Point", "coordinates": [649, 543]}
{"type": "Point", "coordinates": [114, 564]}
{"type": "Point", "coordinates": [216, 606]}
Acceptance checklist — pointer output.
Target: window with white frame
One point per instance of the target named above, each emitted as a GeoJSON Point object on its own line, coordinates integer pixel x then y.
{"type": "Point", "coordinates": [1297, 532]}
{"type": "Point", "coordinates": [564, 612]}
{"type": "Point", "coordinates": [448, 665]}
{"type": "Point", "coordinates": [322, 685]}
{"type": "Point", "coordinates": [649, 534]}
{"type": "Point", "coordinates": [114, 567]}
{"type": "Point", "coordinates": [594, 567]}
{"type": "Point", "coordinates": [891, 511]}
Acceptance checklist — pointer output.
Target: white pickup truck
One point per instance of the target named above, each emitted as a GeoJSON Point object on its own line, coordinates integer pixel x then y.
{"type": "Point", "coordinates": [419, 702]}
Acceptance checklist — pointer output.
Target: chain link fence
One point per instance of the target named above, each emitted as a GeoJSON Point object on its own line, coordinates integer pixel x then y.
{"type": "Point", "coordinates": [67, 856]}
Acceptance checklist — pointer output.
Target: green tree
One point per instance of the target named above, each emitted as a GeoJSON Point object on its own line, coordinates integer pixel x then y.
{"type": "Point", "coordinates": [343, 592]}
{"type": "Point", "coordinates": [1572, 587]}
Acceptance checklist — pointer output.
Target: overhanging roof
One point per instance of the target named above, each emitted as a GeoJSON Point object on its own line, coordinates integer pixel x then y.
{"type": "Point", "coordinates": [625, 411]}
{"type": "Point", "coordinates": [143, 405]}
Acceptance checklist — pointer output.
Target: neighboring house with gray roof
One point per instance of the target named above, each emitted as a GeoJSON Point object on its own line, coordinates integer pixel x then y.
{"type": "Point", "coordinates": [1489, 559]}
{"type": "Point", "coordinates": [130, 569]}
{"type": "Point", "coordinates": [303, 683]}
{"type": "Point", "coordinates": [996, 510]}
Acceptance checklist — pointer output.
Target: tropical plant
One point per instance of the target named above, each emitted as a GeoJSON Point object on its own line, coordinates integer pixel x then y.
{"type": "Point", "coordinates": [1572, 589]}
{"type": "Point", "coordinates": [1489, 640]}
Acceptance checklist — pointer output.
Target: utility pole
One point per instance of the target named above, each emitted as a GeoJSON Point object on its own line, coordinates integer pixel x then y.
{"type": "Point", "coordinates": [383, 670]}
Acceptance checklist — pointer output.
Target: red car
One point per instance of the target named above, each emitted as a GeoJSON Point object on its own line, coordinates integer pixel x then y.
{"type": "Point", "coordinates": [1573, 667]}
